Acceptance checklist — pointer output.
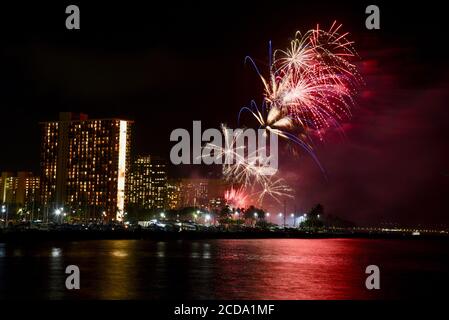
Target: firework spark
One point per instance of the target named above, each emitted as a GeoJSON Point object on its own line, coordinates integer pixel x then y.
{"type": "Point", "coordinates": [310, 88]}
{"type": "Point", "coordinates": [311, 84]}
{"type": "Point", "coordinates": [236, 197]}
{"type": "Point", "coordinates": [249, 172]}
{"type": "Point", "coordinates": [275, 188]}
{"type": "Point", "coordinates": [239, 164]}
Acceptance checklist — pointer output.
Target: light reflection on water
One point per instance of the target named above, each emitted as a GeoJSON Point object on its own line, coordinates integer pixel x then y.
{"type": "Point", "coordinates": [223, 269]}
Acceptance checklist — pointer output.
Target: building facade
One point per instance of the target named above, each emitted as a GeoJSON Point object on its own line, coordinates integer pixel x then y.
{"type": "Point", "coordinates": [202, 193]}
{"type": "Point", "coordinates": [148, 183]}
{"type": "Point", "coordinates": [8, 183]}
{"type": "Point", "coordinates": [84, 165]}
{"type": "Point", "coordinates": [20, 190]}
{"type": "Point", "coordinates": [158, 182]}
{"type": "Point", "coordinates": [140, 183]}
{"type": "Point", "coordinates": [173, 194]}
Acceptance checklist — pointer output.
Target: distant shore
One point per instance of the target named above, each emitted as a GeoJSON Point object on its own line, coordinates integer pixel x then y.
{"type": "Point", "coordinates": [36, 235]}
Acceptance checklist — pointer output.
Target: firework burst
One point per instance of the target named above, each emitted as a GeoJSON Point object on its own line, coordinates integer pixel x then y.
{"type": "Point", "coordinates": [310, 88]}
{"type": "Point", "coordinates": [251, 173]}
{"type": "Point", "coordinates": [236, 197]}
{"type": "Point", "coordinates": [311, 84]}
{"type": "Point", "coordinates": [275, 188]}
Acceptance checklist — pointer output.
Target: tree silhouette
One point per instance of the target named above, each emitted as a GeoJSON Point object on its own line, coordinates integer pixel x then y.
{"type": "Point", "coordinates": [314, 218]}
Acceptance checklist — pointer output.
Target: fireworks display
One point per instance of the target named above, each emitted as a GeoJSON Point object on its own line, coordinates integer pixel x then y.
{"type": "Point", "coordinates": [310, 86]}
{"type": "Point", "coordinates": [236, 197]}
{"type": "Point", "coordinates": [309, 89]}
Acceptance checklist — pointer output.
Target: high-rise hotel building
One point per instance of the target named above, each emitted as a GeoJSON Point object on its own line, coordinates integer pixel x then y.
{"type": "Point", "coordinates": [148, 183]}
{"type": "Point", "coordinates": [20, 190]}
{"type": "Point", "coordinates": [158, 182]}
{"type": "Point", "coordinates": [140, 183]}
{"type": "Point", "coordinates": [84, 164]}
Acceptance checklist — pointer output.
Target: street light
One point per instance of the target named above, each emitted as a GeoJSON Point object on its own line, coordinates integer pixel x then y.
{"type": "Point", "coordinates": [207, 217]}
{"type": "Point", "coordinates": [162, 215]}
{"type": "Point", "coordinates": [6, 215]}
{"type": "Point", "coordinates": [57, 213]}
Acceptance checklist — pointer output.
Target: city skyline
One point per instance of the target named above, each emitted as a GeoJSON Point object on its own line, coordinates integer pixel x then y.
{"type": "Point", "coordinates": [223, 159]}
{"type": "Point", "coordinates": [88, 166]}
{"type": "Point", "coordinates": [392, 147]}
{"type": "Point", "coordinates": [148, 184]}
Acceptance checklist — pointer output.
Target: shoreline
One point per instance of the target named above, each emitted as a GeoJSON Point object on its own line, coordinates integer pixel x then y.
{"type": "Point", "coordinates": [35, 235]}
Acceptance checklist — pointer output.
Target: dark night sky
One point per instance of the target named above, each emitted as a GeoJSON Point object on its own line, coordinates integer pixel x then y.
{"type": "Point", "coordinates": [164, 66]}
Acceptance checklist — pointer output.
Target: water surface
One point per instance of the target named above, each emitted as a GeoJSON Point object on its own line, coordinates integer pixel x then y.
{"type": "Point", "coordinates": [225, 269]}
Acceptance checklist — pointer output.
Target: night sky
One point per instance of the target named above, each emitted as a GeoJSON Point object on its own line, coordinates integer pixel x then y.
{"type": "Point", "coordinates": [166, 65]}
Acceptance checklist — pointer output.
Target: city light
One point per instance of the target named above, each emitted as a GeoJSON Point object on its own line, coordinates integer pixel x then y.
{"type": "Point", "coordinates": [267, 214]}
{"type": "Point", "coordinates": [57, 212]}
{"type": "Point", "coordinates": [121, 171]}
{"type": "Point", "coordinates": [162, 215]}
{"type": "Point", "coordinates": [207, 218]}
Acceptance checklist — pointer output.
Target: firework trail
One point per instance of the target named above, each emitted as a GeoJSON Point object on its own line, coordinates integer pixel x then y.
{"type": "Point", "coordinates": [275, 188]}
{"type": "Point", "coordinates": [310, 88]}
{"type": "Point", "coordinates": [273, 120]}
{"type": "Point", "coordinates": [239, 164]}
{"type": "Point", "coordinates": [249, 172]}
{"type": "Point", "coordinates": [311, 85]}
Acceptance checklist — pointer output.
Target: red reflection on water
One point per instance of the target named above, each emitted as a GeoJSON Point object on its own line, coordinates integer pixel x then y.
{"type": "Point", "coordinates": [292, 269]}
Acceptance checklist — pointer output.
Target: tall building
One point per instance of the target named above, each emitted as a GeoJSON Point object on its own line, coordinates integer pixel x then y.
{"type": "Point", "coordinates": [202, 193]}
{"type": "Point", "coordinates": [7, 186]}
{"type": "Point", "coordinates": [84, 164]}
{"type": "Point", "coordinates": [28, 190]}
{"type": "Point", "coordinates": [173, 194]}
{"type": "Point", "coordinates": [194, 192]}
{"type": "Point", "coordinates": [140, 183]}
{"type": "Point", "coordinates": [20, 190]}
{"type": "Point", "coordinates": [148, 183]}
{"type": "Point", "coordinates": [158, 182]}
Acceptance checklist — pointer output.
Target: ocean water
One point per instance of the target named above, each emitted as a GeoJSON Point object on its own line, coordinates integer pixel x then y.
{"type": "Point", "coordinates": [225, 269]}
